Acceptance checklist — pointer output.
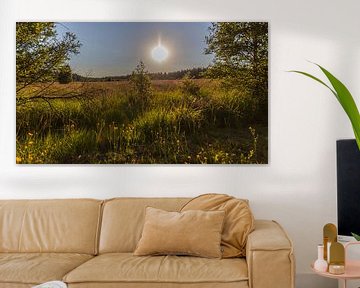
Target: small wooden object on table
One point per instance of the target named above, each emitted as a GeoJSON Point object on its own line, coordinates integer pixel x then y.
{"type": "Point", "coordinates": [352, 268]}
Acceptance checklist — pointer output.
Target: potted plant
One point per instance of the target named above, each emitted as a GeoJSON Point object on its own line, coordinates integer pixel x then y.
{"type": "Point", "coordinates": [345, 99]}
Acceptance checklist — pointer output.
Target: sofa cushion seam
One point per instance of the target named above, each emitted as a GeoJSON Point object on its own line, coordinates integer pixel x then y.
{"type": "Point", "coordinates": [67, 273]}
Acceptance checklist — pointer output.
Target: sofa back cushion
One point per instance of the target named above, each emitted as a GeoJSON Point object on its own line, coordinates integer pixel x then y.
{"type": "Point", "coordinates": [123, 220]}
{"type": "Point", "coordinates": [66, 226]}
{"type": "Point", "coordinates": [238, 224]}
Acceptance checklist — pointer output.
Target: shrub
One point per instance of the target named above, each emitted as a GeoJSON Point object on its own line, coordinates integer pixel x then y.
{"type": "Point", "coordinates": [141, 86]}
{"type": "Point", "coordinates": [189, 86]}
{"type": "Point", "coordinates": [65, 75]}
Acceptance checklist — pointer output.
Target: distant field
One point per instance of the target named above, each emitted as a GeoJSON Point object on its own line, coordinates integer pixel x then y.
{"type": "Point", "coordinates": [194, 121]}
{"type": "Point", "coordinates": [123, 85]}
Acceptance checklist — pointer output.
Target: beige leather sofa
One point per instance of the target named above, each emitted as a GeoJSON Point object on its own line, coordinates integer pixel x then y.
{"type": "Point", "coordinates": [89, 243]}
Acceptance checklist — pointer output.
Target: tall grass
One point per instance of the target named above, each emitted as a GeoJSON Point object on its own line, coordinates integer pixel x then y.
{"type": "Point", "coordinates": [179, 122]}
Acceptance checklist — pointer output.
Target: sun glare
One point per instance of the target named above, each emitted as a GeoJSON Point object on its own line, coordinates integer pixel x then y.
{"type": "Point", "coordinates": [159, 53]}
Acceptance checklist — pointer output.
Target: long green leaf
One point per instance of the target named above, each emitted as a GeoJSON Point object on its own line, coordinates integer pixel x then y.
{"type": "Point", "coordinates": [344, 97]}
{"type": "Point", "coordinates": [347, 102]}
{"type": "Point", "coordinates": [357, 237]}
{"type": "Point", "coordinates": [357, 137]}
{"type": "Point", "coordinates": [316, 79]}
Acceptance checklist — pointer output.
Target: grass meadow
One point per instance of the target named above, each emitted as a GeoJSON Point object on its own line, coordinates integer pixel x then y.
{"type": "Point", "coordinates": [179, 121]}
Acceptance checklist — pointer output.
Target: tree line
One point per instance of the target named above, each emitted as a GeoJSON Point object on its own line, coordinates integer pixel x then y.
{"type": "Point", "coordinates": [194, 73]}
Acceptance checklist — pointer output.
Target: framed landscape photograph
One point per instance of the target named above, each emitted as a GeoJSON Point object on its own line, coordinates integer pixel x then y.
{"type": "Point", "coordinates": [142, 93]}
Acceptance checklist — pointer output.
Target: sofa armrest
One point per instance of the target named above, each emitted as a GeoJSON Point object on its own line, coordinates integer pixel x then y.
{"type": "Point", "coordinates": [269, 256]}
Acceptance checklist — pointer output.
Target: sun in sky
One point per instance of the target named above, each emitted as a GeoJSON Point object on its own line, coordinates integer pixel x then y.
{"type": "Point", "coordinates": [159, 53]}
{"type": "Point", "coordinates": [115, 48]}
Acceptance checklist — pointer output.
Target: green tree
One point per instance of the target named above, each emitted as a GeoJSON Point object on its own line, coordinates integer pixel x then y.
{"type": "Point", "coordinates": [65, 75]}
{"type": "Point", "coordinates": [40, 53]}
{"type": "Point", "coordinates": [140, 79]}
{"type": "Point", "coordinates": [141, 86]}
{"type": "Point", "coordinates": [241, 56]}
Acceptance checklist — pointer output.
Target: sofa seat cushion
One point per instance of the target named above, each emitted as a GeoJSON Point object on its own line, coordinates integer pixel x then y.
{"type": "Point", "coordinates": [36, 268]}
{"type": "Point", "coordinates": [242, 284]}
{"type": "Point", "coordinates": [127, 268]}
{"type": "Point", "coordinates": [15, 285]}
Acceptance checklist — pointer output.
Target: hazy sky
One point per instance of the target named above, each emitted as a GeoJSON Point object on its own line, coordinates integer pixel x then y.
{"type": "Point", "coordinates": [115, 48]}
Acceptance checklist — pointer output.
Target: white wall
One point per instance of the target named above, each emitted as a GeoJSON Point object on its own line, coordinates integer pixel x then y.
{"type": "Point", "coordinates": [297, 188]}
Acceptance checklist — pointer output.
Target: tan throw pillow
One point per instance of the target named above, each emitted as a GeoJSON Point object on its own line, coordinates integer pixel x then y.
{"type": "Point", "coordinates": [239, 220]}
{"type": "Point", "coordinates": [196, 233]}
